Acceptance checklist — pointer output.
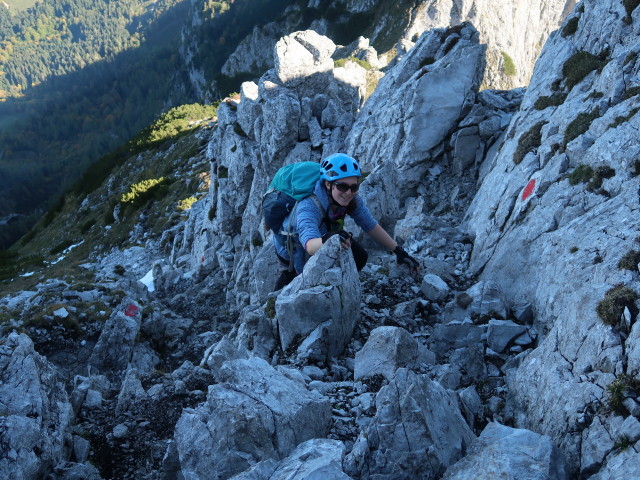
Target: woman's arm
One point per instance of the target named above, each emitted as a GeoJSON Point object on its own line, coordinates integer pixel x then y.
{"type": "Point", "coordinates": [313, 245]}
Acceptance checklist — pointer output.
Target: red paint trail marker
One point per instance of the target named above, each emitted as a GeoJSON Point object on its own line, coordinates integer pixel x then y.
{"type": "Point", "coordinates": [131, 310]}
{"type": "Point", "coordinates": [528, 190]}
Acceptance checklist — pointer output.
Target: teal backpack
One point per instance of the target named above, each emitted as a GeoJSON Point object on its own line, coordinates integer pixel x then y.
{"type": "Point", "coordinates": [290, 184]}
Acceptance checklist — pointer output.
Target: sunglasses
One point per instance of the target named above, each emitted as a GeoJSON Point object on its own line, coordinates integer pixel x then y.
{"type": "Point", "coordinates": [345, 187]}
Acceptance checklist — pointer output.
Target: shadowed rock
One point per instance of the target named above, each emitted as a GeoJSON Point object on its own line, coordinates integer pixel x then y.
{"type": "Point", "coordinates": [317, 312]}
{"type": "Point", "coordinates": [253, 414]}
{"type": "Point", "coordinates": [35, 412]}
{"type": "Point", "coordinates": [418, 427]}
{"type": "Point", "coordinates": [504, 452]}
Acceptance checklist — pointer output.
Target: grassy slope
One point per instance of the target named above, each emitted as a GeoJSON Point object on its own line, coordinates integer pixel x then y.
{"type": "Point", "coordinates": [182, 160]}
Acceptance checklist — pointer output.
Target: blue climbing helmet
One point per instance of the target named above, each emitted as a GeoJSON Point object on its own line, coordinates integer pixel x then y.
{"type": "Point", "coordinates": [339, 165]}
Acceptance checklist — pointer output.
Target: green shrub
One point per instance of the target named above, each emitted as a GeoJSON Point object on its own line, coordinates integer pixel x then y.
{"type": "Point", "coordinates": [174, 123]}
{"type": "Point", "coordinates": [631, 58]}
{"type": "Point", "coordinates": [570, 27]}
{"type": "Point", "coordinates": [186, 203]}
{"type": "Point", "coordinates": [139, 193]}
{"type": "Point", "coordinates": [573, 249]}
{"type": "Point", "coordinates": [631, 92]}
{"type": "Point", "coordinates": [630, 6]}
{"type": "Point", "coordinates": [509, 68]}
{"type": "Point", "coordinates": [270, 308]}
{"type": "Point", "coordinates": [611, 308]}
{"type": "Point", "coordinates": [53, 211]}
{"type": "Point", "coordinates": [630, 261]}
{"type": "Point", "coordinates": [599, 175]}
{"type": "Point", "coordinates": [595, 94]}
{"type": "Point", "coordinates": [582, 174]}
{"type": "Point", "coordinates": [30, 235]}
{"type": "Point", "coordinates": [60, 247]}
{"type": "Point", "coordinates": [579, 66]}
{"type": "Point", "coordinates": [580, 125]}
{"type": "Point", "coordinates": [594, 178]}
{"type": "Point", "coordinates": [528, 141]}
{"type": "Point", "coordinates": [86, 226]}
{"type": "Point", "coordinates": [119, 270]}
{"type": "Point", "coordinates": [622, 119]}
{"type": "Point", "coordinates": [45, 319]}
{"type": "Point", "coordinates": [618, 391]}
{"type": "Point", "coordinates": [551, 101]}
{"type": "Point", "coordinates": [622, 443]}
{"type": "Point", "coordinates": [341, 62]}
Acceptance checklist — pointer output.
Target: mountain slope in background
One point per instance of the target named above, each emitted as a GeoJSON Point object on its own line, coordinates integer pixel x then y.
{"type": "Point", "coordinates": [80, 79]}
{"type": "Point", "coordinates": [514, 354]}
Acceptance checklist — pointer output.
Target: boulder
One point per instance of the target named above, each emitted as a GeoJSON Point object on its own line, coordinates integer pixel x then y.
{"type": "Point", "coordinates": [253, 414]}
{"type": "Point", "coordinates": [417, 432]}
{"type": "Point", "coordinates": [317, 312]}
{"type": "Point", "coordinates": [501, 333]}
{"type": "Point", "coordinates": [554, 239]}
{"type": "Point", "coordinates": [302, 54]}
{"type": "Point", "coordinates": [454, 335]}
{"type": "Point", "coordinates": [386, 350]}
{"type": "Point", "coordinates": [487, 300]}
{"type": "Point", "coordinates": [36, 412]}
{"type": "Point", "coordinates": [313, 459]}
{"type": "Point", "coordinates": [114, 349]}
{"type": "Point", "coordinates": [623, 465]}
{"type": "Point", "coordinates": [505, 452]}
{"type": "Point", "coordinates": [434, 288]}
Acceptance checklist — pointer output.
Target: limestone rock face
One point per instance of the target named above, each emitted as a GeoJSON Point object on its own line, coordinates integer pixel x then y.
{"type": "Point", "coordinates": [317, 312]}
{"type": "Point", "coordinates": [514, 31]}
{"type": "Point", "coordinates": [300, 110]}
{"type": "Point", "coordinates": [418, 427]}
{"type": "Point", "coordinates": [313, 459]}
{"type": "Point", "coordinates": [504, 452]}
{"type": "Point", "coordinates": [253, 414]}
{"type": "Point", "coordinates": [416, 107]}
{"type": "Point", "coordinates": [115, 346]}
{"type": "Point", "coordinates": [36, 412]}
{"type": "Point", "coordinates": [303, 54]}
{"type": "Point", "coordinates": [552, 237]}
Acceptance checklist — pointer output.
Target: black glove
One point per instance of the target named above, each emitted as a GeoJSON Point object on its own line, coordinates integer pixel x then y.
{"type": "Point", "coordinates": [406, 259]}
{"type": "Point", "coordinates": [344, 235]}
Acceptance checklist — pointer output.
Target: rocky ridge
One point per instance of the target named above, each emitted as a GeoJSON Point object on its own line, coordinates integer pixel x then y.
{"type": "Point", "coordinates": [474, 362]}
{"type": "Point", "coordinates": [513, 32]}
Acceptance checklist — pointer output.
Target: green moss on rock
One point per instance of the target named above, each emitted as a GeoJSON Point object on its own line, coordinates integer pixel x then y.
{"type": "Point", "coordinates": [528, 141]}
{"type": "Point", "coordinates": [630, 261]}
{"type": "Point", "coordinates": [611, 308]}
{"type": "Point", "coordinates": [580, 125]}
{"type": "Point", "coordinates": [554, 100]}
{"type": "Point", "coordinates": [578, 66]}
{"type": "Point", "coordinates": [570, 27]}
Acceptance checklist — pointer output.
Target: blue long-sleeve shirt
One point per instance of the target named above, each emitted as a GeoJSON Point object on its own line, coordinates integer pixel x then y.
{"type": "Point", "coordinates": [308, 224]}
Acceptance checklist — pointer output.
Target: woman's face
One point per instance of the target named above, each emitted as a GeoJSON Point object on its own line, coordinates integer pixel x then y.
{"type": "Point", "coordinates": [343, 197]}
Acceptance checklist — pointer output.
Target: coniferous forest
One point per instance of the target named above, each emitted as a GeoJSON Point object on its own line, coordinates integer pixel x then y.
{"type": "Point", "coordinates": [78, 78]}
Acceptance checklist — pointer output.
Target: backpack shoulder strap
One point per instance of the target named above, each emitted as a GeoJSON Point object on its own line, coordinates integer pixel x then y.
{"type": "Point", "coordinates": [323, 213]}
